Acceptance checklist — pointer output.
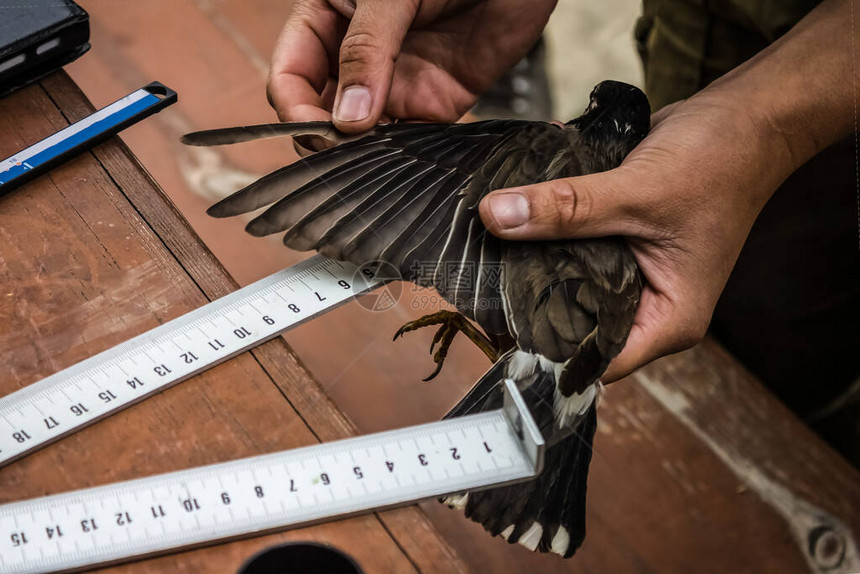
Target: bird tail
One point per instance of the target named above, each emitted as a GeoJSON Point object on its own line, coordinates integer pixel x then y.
{"type": "Point", "coordinates": [546, 514]}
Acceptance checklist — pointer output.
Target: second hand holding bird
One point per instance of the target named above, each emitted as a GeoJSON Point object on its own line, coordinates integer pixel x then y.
{"type": "Point", "coordinates": [685, 198]}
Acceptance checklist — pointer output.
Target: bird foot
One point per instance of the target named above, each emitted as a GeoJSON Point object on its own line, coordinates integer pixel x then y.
{"type": "Point", "coordinates": [451, 323]}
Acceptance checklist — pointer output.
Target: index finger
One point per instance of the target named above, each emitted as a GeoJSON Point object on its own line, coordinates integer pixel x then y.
{"type": "Point", "coordinates": [302, 61]}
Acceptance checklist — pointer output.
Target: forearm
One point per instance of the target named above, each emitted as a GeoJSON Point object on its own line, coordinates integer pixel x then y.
{"type": "Point", "coordinates": [799, 92]}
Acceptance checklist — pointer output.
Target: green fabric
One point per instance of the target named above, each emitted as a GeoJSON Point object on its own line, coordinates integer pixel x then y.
{"type": "Point", "coordinates": [686, 44]}
{"type": "Point", "coordinates": [791, 308]}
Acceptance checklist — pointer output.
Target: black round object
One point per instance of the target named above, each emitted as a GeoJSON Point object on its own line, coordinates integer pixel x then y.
{"type": "Point", "coordinates": [301, 558]}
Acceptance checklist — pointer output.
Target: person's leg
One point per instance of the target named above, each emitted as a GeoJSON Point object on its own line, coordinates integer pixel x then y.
{"type": "Point", "coordinates": [791, 308]}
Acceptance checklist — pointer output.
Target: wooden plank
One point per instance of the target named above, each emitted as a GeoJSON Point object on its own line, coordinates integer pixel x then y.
{"type": "Point", "coordinates": [135, 43]}
{"type": "Point", "coordinates": [774, 458]}
{"type": "Point", "coordinates": [84, 267]}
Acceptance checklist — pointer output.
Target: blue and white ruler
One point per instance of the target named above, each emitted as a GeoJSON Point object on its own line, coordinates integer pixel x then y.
{"type": "Point", "coordinates": [43, 155]}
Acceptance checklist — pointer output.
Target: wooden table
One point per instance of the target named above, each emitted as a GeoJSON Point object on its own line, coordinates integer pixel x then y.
{"type": "Point", "coordinates": [697, 467]}
{"type": "Point", "coordinates": [94, 254]}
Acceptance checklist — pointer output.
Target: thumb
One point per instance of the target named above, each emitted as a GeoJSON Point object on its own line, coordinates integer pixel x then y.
{"type": "Point", "coordinates": [367, 55]}
{"type": "Point", "coordinates": [592, 205]}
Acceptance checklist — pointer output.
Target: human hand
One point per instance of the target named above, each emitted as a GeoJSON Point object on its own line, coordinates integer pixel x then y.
{"type": "Point", "coordinates": [685, 198]}
{"type": "Point", "coordinates": [357, 61]}
{"type": "Point", "coordinates": [688, 195]}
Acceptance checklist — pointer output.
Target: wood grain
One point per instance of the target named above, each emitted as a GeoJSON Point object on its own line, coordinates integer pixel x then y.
{"type": "Point", "coordinates": [93, 254]}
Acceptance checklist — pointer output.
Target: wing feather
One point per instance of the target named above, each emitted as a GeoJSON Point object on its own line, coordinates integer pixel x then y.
{"type": "Point", "coordinates": [354, 200]}
{"type": "Point", "coordinates": [395, 214]}
{"type": "Point", "coordinates": [281, 182]}
{"type": "Point", "coordinates": [408, 194]}
{"type": "Point", "coordinates": [288, 210]}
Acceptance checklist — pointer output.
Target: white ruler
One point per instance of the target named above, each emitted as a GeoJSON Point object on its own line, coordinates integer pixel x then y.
{"type": "Point", "coordinates": [123, 375]}
{"type": "Point", "coordinates": [245, 497]}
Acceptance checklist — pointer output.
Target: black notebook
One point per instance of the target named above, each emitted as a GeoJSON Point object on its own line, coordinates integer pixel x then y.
{"type": "Point", "coordinates": [37, 37]}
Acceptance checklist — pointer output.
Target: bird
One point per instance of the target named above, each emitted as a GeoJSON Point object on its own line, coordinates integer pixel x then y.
{"type": "Point", "coordinates": [551, 315]}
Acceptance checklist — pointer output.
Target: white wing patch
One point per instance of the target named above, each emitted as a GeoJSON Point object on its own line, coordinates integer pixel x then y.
{"type": "Point", "coordinates": [457, 500]}
{"type": "Point", "coordinates": [531, 537]}
{"type": "Point", "coordinates": [569, 409]}
{"type": "Point", "coordinates": [560, 541]}
{"type": "Point", "coordinates": [523, 366]}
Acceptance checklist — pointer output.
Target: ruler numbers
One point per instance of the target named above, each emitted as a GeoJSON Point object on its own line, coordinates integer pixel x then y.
{"type": "Point", "coordinates": [262, 493]}
{"type": "Point", "coordinates": [201, 505]}
{"type": "Point", "coordinates": [121, 376]}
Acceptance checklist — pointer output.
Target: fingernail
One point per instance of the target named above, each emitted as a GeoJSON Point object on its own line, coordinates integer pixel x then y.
{"type": "Point", "coordinates": [354, 104]}
{"type": "Point", "coordinates": [509, 209]}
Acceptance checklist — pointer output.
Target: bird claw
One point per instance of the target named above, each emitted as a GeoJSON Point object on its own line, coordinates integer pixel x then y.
{"type": "Point", "coordinates": [450, 323]}
{"type": "Point", "coordinates": [435, 372]}
{"type": "Point", "coordinates": [440, 333]}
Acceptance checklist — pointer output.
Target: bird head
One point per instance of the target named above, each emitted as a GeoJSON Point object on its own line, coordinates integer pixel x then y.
{"type": "Point", "coordinates": [615, 111]}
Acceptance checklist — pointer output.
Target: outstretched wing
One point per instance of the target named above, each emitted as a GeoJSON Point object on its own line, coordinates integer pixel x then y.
{"type": "Point", "coordinates": [406, 194]}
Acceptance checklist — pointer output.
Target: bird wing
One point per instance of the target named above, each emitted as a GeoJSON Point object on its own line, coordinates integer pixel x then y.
{"type": "Point", "coordinates": [406, 194]}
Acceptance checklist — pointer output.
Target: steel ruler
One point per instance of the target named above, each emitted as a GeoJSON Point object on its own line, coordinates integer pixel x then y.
{"type": "Point", "coordinates": [132, 371]}
{"type": "Point", "coordinates": [158, 514]}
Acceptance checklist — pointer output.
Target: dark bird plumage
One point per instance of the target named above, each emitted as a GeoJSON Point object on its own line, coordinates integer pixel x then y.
{"type": "Point", "coordinates": [408, 195]}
